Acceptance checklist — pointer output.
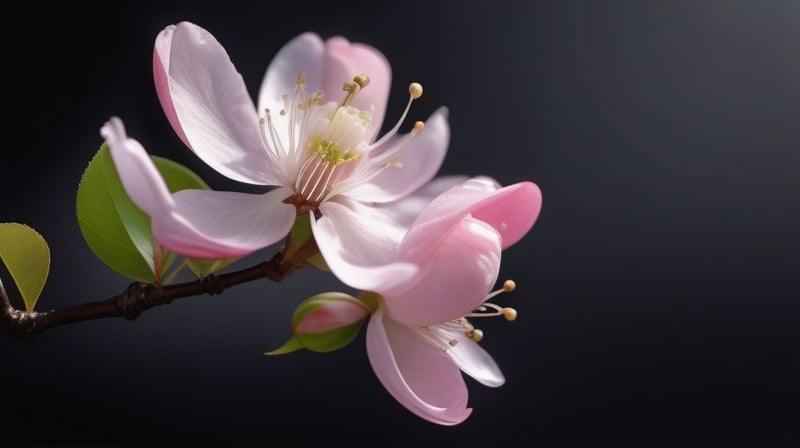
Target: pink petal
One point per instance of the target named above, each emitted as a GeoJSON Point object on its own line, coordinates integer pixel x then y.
{"type": "Point", "coordinates": [417, 374]}
{"type": "Point", "coordinates": [206, 101]}
{"type": "Point", "coordinates": [344, 60]}
{"type": "Point", "coordinates": [161, 52]}
{"type": "Point", "coordinates": [419, 160]}
{"type": "Point", "coordinates": [333, 314]}
{"type": "Point", "coordinates": [510, 210]}
{"type": "Point", "coordinates": [217, 224]}
{"type": "Point", "coordinates": [359, 244]}
{"type": "Point", "coordinates": [476, 362]}
{"type": "Point", "coordinates": [456, 277]}
{"type": "Point", "coordinates": [404, 211]}
{"type": "Point", "coordinates": [138, 174]}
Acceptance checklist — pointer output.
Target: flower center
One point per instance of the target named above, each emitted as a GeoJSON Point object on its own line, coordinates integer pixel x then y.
{"type": "Point", "coordinates": [326, 142]}
{"type": "Point", "coordinates": [445, 335]}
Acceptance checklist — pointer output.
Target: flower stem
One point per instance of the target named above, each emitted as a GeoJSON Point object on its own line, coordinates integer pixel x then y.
{"type": "Point", "coordinates": [136, 298]}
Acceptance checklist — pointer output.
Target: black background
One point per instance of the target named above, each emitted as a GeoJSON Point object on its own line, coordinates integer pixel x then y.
{"type": "Point", "coordinates": [657, 292]}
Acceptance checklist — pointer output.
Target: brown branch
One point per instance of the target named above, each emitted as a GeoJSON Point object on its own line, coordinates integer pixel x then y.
{"type": "Point", "coordinates": [136, 298]}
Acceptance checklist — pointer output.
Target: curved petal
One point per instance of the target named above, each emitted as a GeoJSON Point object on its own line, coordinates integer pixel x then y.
{"type": "Point", "coordinates": [219, 224]}
{"type": "Point", "coordinates": [511, 211]}
{"type": "Point", "coordinates": [413, 164]}
{"type": "Point", "coordinates": [404, 211]}
{"type": "Point", "coordinates": [455, 280]}
{"type": "Point", "coordinates": [304, 53]}
{"type": "Point", "coordinates": [207, 102]}
{"type": "Point", "coordinates": [344, 60]}
{"type": "Point", "coordinates": [161, 52]}
{"type": "Point", "coordinates": [359, 244]}
{"type": "Point", "coordinates": [476, 362]}
{"type": "Point", "coordinates": [136, 169]}
{"type": "Point", "coordinates": [417, 374]}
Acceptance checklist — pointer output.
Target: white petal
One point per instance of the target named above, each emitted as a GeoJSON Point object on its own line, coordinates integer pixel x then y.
{"type": "Point", "coordinates": [136, 169]}
{"type": "Point", "coordinates": [417, 374]}
{"type": "Point", "coordinates": [213, 109]}
{"type": "Point", "coordinates": [217, 224]}
{"type": "Point", "coordinates": [305, 54]}
{"type": "Point", "coordinates": [475, 361]}
{"type": "Point", "coordinates": [359, 245]}
{"type": "Point", "coordinates": [417, 161]}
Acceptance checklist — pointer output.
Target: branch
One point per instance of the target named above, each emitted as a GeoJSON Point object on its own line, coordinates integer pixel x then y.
{"type": "Point", "coordinates": [136, 298]}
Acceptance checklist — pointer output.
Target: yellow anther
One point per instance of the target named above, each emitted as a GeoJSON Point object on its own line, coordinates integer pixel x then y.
{"type": "Point", "coordinates": [415, 90]}
{"type": "Point", "coordinates": [476, 335]}
{"type": "Point", "coordinates": [352, 88]}
{"type": "Point", "coordinates": [361, 79]}
{"type": "Point", "coordinates": [301, 78]}
{"type": "Point", "coordinates": [452, 342]}
{"type": "Point", "coordinates": [510, 314]}
{"type": "Point", "coordinates": [509, 285]}
{"type": "Point", "coordinates": [418, 126]}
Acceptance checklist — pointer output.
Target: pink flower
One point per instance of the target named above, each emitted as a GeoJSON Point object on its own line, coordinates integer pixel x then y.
{"type": "Point", "coordinates": [319, 152]}
{"type": "Point", "coordinates": [419, 339]}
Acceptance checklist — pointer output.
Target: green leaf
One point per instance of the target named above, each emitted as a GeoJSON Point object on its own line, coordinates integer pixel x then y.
{"type": "Point", "coordinates": [202, 268]}
{"type": "Point", "coordinates": [115, 229]}
{"type": "Point", "coordinates": [27, 258]}
{"type": "Point", "coordinates": [330, 340]}
{"type": "Point", "coordinates": [292, 345]}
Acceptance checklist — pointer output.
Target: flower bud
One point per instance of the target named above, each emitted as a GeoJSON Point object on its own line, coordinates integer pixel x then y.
{"type": "Point", "coordinates": [325, 322]}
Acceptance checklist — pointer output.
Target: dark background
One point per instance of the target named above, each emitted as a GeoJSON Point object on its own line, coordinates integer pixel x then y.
{"type": "Point", "coordinates": [657, 292]}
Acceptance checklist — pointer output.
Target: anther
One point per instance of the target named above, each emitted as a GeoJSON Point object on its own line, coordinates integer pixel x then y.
{"type": "Point", "coordinates": [361, 79]}
{"type": "Point", "coordinates": [418, 126]}
{"type": "Point", "coordinates": [301, 78]}
{"type": "Point", "coordinates": [415, 90]}
{"type": "Point", "coordinates": [510, 314]}
{"type": "Point", "coordinates": [452, 342]}
{"type": "Point", "coordinates": [476, 335]}
{"type": "Point", "coordinates": [352, 88]}
{"type": "Point", "coordinates": [509, 285]}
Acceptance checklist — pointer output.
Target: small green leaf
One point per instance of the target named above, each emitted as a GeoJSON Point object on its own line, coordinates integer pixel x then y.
{"type": "Point", "coordinates": [202, 268]}
{"type": "Point", "coordinates": [292, 345]}
{"type": "Point", "coordinates": [115, 229]}
{"type": "Point", "coordinates": [330, 340]}
{"type": "Point", "coordinates": [27, 258]}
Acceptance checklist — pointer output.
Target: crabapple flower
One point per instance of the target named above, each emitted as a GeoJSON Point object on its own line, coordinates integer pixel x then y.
{"type": "Point", "coordinates": [314, 150]}
{"type": "Point", "coordinates": [419, 339]}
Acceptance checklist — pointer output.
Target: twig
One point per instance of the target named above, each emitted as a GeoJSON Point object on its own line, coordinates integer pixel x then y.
{"type": "Point", "coordinates": [136, 298]}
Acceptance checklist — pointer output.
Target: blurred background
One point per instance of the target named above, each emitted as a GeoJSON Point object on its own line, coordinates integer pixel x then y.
{"type": "Point", "coordinates": [657, 292]}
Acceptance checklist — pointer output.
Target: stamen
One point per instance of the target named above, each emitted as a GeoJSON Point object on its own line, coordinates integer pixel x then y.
{"type": "Point", "coordinates": [475, 334]}
{"type": "Point", "coordinates": [352, 88]}
{"type": "Point", "coordinates": [414, 92]}
{"type": "Point", "coordinates": [346, 186]}
{"type": "Point", "coordinates": [488, 309]}
{"type": "Point", "coordinates": [510, 314]}
{"type": "Point", "coordinates": [271, 142]}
